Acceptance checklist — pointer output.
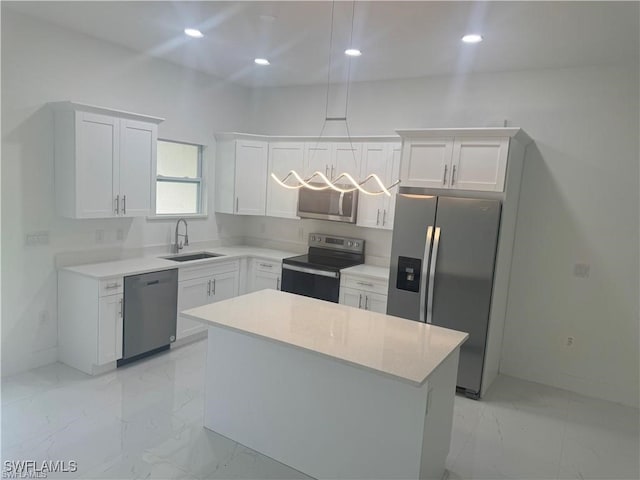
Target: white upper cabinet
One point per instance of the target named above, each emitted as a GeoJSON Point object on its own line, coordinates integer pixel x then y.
{"type": "Point", "coordinates": [251, 176]}
{"type": "Point", "coordinates": [241, 175]}
{"type": "Point", "coordinates": [347, 157]}
{"type": "Point", "coordinates": [283, 157]}
{"type": "Point", "coordinates": [333, 158]}
{"type": "Point", "coordinates": [383, 159]}
{"type": "Point", "coordinates": [104, 161]}
{"type": "Point", "coordinates": [464, 159]}
{"type": "Point", "coordinates": [318, 158]}
{"type": "Point", "coordinates": [479, 164]}
{"type": "Point", "coordinates": [138, 141]}
{"type": "Point", "coordinates": [427, 163]}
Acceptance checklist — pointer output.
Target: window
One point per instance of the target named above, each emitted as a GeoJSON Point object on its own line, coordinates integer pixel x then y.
{"type": "Point", "coordinates": [179, 179]}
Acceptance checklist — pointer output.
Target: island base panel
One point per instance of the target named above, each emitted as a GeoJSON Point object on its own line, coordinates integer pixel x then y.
{"type": "Point", "coordinates": [324, 417]}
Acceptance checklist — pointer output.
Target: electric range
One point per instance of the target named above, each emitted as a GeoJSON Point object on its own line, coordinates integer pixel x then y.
{"type": "Point", "coordinates": [317, 273]}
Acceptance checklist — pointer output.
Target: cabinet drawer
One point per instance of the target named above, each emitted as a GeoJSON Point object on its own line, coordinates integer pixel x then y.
{"type": "Point", "coordinates": [267, 265]}
{"type": "Point", "coordinates": [111, 286]}
{"type": "Point", "coordinates": [208, 270]}
{"type": "Point", "coordinates": [365, 283]}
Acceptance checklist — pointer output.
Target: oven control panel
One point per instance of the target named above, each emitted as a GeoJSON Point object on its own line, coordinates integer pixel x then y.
{"type": "Point", "coordinates": [334, 242]}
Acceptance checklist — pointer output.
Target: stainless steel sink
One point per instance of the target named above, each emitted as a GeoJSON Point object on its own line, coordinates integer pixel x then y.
{"type": "Point", "coordinates": [193, 256]}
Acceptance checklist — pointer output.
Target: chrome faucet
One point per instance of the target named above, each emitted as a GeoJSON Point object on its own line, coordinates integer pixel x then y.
{"type": "Point", "coordinates": [179, 246]}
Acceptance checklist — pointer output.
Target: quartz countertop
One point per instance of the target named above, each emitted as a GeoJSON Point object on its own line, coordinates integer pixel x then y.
{"type": "Point", "coordinates": [371, 271]}
{"type": "Point", "coordinates": [135, 266]}
{"type": "Point", "coordinates": [404, 349]}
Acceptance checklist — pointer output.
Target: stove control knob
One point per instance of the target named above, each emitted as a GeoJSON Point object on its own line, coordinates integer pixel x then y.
{"type": "Point", "coordinates": [313, 238]}
{"type": "Point", "coordinates": [357, 244]}
{"type": "Point", "coordinates": [349, 243]}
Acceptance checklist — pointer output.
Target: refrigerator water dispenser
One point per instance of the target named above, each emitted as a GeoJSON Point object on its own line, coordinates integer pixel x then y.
{"type": "Point", "coordinates": [409, 274]}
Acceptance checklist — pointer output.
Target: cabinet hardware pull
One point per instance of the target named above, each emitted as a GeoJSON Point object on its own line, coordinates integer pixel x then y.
{"type": "Point", "coordinates": [360, 301]}
{"type": "Point", "coordinates": [266, 265]}
{"type": "Point", "coordinates": [124, 204]}
{"type": "Point", "coordinates": [444, 177]}
{"type": "Point", "coordinates": [366, 302]}
{"type": "Point", "coordinates": [117, 204]}
{"type": "Point", "coordinates": [214, 286]}
{"type": "Point", "coordinates": [453, 175]}
{"type": "Point", "coordinates": [326, 170]}
{"type": "Point", "coordinates": [209, 288]}
{"type": "Point", "coordinates": [384, 217]}
{"type": "Point", "coordinates": [120, 312]}
{"type": "Point", "coordinates": [331, 172]}
{"type": "Point", "coordinates": [365, 284]}
{"type": "Point", "coordinates": [112, 285]}
{"type": "Point", "coordinates": [278, 283]}
{"type": "Point", "coordinates": [237, 204]}
{"type": "Point", "coordinates": [378, 217]}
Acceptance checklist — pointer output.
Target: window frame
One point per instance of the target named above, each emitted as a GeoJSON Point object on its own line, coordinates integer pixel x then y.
{"type": "Point", "coordinates": [200, 181]}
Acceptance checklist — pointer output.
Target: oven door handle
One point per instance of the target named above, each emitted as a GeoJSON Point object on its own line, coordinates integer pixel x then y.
{"type": "Point", "coordinates": [312, 271]}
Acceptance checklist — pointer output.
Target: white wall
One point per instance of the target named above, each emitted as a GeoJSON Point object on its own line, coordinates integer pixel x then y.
{"type": "Point", "coordinates": [42, 63]}
{"type": "Point", "coordinates": [579, 204]}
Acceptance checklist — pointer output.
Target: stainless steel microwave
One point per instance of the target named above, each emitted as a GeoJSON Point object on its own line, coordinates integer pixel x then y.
{"type": "Point", "coordinates": [328, 204]}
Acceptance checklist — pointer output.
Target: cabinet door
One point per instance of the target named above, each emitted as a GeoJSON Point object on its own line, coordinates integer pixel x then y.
{"type": "Point", "coordinates": [109, 329]}
{"type": "Point", "coordinates": [394, 173]}
{"type": "Point", "coordinates": [317, 157]}
{"type": "Point", "coordinates": [375, 302]}
{"type": "Point", "coordinates": [283, 157]}
{"type": "Point", "coordinates": [346, 159]}
{"type": "Point", "coordinates": [351, 297]}
{"type": "Point", "coordinates": [427, 163]}
{"type": "Point", "coordinates": [251, 177]}
{"type": "Point", "coordinates": [97, 165]}
{"type": "Point", "coordinates": [375, 157]}
{"type": "Point", "coordinates": [263, 280]}
{"type": "Point", "coordinates": [479, 164]}
{"type": "Point", "coordinates": [223, 286]}
{"type": "Point", "coordinates": [191, 294]}
{"type": "Point", "coordinates": [138, 143]}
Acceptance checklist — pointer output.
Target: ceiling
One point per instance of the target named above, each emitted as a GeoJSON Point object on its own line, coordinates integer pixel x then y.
{"type": "Point", "coordinates": [398, 39]}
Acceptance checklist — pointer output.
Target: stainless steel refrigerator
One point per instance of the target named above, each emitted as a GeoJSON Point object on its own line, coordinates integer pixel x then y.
{"type": "Point", "coordinates": [442, 266]}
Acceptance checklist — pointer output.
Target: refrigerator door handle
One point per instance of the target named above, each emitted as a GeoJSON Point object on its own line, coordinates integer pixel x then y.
{"type": "Point", "coordinates": [432, 274]}
{"type": "Point", "coordinates": [423, 275]}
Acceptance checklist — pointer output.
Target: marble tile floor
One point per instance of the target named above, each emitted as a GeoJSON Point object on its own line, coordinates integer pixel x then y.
{"type": "Point", "coordinates": [144, 421]}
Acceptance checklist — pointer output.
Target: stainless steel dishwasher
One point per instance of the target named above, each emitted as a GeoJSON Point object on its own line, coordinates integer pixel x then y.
{"type": "Point", "coordinates": [150, 312]}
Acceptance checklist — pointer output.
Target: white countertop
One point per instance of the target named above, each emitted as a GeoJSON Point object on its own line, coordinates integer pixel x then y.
{"type": "Point", "coordinates": [371, 271]}
{"type": "Point", "coordinates": [135, 266]}
{"type": "Point", "coordinates": [389, 345]}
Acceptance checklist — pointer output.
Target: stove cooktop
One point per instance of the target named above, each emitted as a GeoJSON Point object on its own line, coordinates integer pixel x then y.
{"type": "Point", "coordinates": [322, 262]}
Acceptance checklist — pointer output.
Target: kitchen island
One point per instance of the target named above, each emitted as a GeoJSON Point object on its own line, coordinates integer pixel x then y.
{"type": "Point", "coordinates": [330, 390]}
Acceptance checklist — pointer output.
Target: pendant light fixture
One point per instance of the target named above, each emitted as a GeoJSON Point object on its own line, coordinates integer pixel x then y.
{"type": "Point", "coordinates": [344, 182]}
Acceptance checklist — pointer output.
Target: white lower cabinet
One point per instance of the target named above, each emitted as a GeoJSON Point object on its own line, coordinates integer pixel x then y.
{"type": "Point", "coordinates": [264, 274]}
{"type": "Point", "coordinates": [89, 321]}
{"type": "Point", "coordinates": [110, 329]}
{"type": "Point", "coordinates": [201, 285]}
{"type": "Point", "coordinates": [364, 292]}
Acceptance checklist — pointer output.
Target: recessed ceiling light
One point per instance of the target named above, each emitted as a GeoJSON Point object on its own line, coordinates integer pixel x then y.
{"type": "Point", "coordinates": [262, 61]}
{"type": "Point", "coordinates": [472, 38]}
{"type": "Point", "coordinates": [193, 32]}
{"type": "Point", "coordinates": [353, 52]}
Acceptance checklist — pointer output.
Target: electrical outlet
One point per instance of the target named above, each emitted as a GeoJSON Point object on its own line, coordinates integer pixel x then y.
{"type": "Point", "coordinates": [263, 227]}
{"type": "Point", "coordinates": [569, 341]}
{"type": "Point", "coordinates": [301, 234]}
{"type": "Point", "coordinates": [120, 234]}
{"type": "Point", "coordinates": [36, 238]}
{"type": "Point", "coordinates": [99, 235]}
{"type": "Point", "coordinates": [581, 270]}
